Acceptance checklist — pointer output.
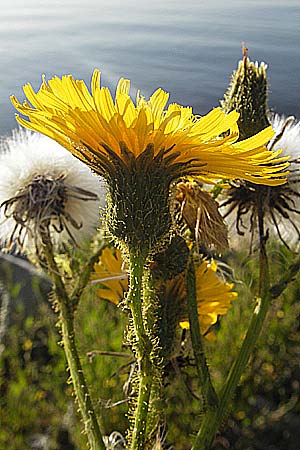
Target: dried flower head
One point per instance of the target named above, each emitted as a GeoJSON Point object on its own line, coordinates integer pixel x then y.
{"type": "Point", "coordinates": [196, 210]}
{"type": "Point", "coordinates": [279, 205]}
{"type": "Point", "coordinates": [43, 188]}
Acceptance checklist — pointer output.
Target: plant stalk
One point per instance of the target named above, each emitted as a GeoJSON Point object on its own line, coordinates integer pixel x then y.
{"type": "Point", "coordinates": [213, 420]}
{"type": "Point", "coordinates": [142, 347]}
{"type": "Point", "coordinates": [91, 426]}
{"type": "Point", "coordinates": [207, 389]}
{"type": "Point", "coordinates": [84, 278]}
{"type": "Point", "coordinates": [79, 383]}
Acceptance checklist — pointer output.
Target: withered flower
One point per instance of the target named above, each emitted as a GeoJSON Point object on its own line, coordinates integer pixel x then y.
{"type": "Point", "coordinates": [279, 206]}
{"type": "Point", "coordinates": [43, 188]}
{"type": "Point", "coordinates": [196, 210]}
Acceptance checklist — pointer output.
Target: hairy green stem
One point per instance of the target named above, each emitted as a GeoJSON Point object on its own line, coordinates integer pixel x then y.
{"type": "Point", "coordinates": [213, 420]}
{"type": "Point", "coordinates": [87, 411]}
{"type": "Point", "coordinates": [278, 288]}
{"type": "Point", "coordinates": [79, 383]}
{"type": "Point", "coordinates": [142, 408]}
{"type": "Point", "coordinates": [207, 389]}
{"type": "Point", "coordinates": [84, 278]}
{"type": "Point", "coordinates": [142, 347]}
{"type": "Point", "coordinates": [152, 315]}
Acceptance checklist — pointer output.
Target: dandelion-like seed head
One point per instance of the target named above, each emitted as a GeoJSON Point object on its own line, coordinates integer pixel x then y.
{"type": "Point", "coordinates": [284, 204]}
{"type": "Point", "coordinates": [43, 189]}
{"type": "Point", "coordinates": [279, 205]}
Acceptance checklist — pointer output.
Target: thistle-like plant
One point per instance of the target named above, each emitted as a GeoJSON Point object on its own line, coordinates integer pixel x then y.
{"type": "Point", "coordinates": [155, 158]}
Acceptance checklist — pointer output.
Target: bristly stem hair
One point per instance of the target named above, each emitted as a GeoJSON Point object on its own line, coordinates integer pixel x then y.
{"type": "Point", "coordinates": [145, 344]}
{"type": "Point", "coordinates": [66, 316]}
{"type": "Point", "coordinates": [141, 347]}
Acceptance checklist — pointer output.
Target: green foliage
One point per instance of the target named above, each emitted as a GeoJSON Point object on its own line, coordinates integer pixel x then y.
{"type": "Point", "coordinates": [36, 399]}
{"type": "Point", "coordinates": [34, 394]}
{"type": "Point", "coordinates": [265, 411]}
{"type": "Point", "coordinates": [100, 326]}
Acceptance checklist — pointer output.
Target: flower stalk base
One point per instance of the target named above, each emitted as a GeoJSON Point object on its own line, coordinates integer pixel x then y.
{"type": "Point", "coordinates": [66, 319]}
{"type": "Point", "coordinates": [146, 349]}
{"type": "Point", "coordinates": [213, 419]}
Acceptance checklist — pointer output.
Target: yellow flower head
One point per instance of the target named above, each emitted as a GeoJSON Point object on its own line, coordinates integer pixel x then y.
{"type": "Point", "coordinates": [101, 131]}
{"type": "Point", "coordinates": [214, 296]}
{"type": "Point", "coordinates": [109, 271]}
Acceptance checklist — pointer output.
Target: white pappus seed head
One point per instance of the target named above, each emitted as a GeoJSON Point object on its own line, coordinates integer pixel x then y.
{"type": "Point", "coordinates": [281, 204]}
{"type": "Point", "coordinates": [287, 136]}
{"type": "Point", "coordinates": [44, 187]}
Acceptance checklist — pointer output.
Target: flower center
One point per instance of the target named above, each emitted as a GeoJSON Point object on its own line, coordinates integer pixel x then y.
{"type": "Point", "coordinates": [41, 200]}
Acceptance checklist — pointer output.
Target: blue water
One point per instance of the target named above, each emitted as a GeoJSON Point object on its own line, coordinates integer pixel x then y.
{"type": "Point", "coordinates": [189, 48]}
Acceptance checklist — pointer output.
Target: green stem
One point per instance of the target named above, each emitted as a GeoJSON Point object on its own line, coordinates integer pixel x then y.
{"type": "Point", "coordinates": [85, 275]}
{"type": "Point", "coordinates": [134, 300]}
{"type": "Point", "coordinates": [142, 348]}
{"type": "Point", "coordinates": [213, 420]}
{"type": "Point", "coordinates": [91, 425]}
{"type": "Point", "coordinates": [79, 383]}
{"type": "Point", "coordinates": [141, 412]}
{"type": "Point", "coordinates": [278, 288]}
{"type": "Point", "coordinates": [209, 394]}
{"type": "Point", "coordinates": [152, 314]}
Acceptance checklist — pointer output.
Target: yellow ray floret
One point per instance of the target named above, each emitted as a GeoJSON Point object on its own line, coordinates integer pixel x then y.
{"type": "Point", "coordinates": [112, 276]}
{"type": "Point", "coordinates": [87, 123]}
{"type": "Point", "coordinates": [214, 296]}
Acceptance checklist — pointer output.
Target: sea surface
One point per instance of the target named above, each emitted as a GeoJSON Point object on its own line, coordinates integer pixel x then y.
{"type": "Point", "coordinates": [188, 48]}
